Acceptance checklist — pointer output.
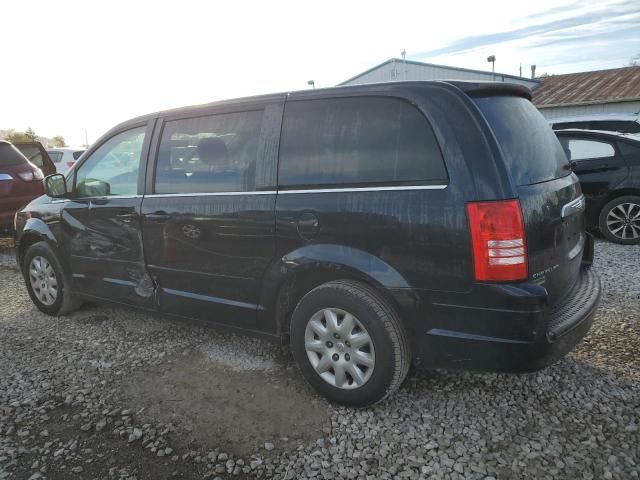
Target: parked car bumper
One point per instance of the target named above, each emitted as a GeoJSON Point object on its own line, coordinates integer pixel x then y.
{"type": "Point", "coordinates": [8, 208]}
{"type": "Point", "coordinates": [525, 334]}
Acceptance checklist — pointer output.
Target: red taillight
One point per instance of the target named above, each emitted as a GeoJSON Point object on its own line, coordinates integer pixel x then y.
{"type": "Point", "coordinates": [497, 240]}
{"type": "Point", "coordinates": [70, 163]}
{"type": "Point", "coordinates": [31, 175]}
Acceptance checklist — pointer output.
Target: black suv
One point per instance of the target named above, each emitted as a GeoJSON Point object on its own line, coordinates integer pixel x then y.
{"type": "Point", "coordinates": [608, 167]}
{"type": "Point", "coordinates": [370, 227]}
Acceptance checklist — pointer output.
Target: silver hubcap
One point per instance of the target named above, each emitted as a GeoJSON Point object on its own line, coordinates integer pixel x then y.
{"type": "Point", "coordinates": [623, 221]}
{"type": "Point", "coordinates": [339, 348]}
{"type": "Point", "coordinates": [43, 280]}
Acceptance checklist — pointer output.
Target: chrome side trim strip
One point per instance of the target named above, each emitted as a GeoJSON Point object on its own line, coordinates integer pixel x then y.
{"type": "Point", "coordinates": [208, 298]}
{"type": "Point", "coordinates": [365, 189]}
{"type": "Point", "coordinates": [310, 190]}
{"type": "Point", "coordinates": [209, 194]}
{"type": "Point", "coordinates": [117, 281]}
{"type": "Point", "coordinates": [109, 197]}
{"type": "Point", "coordinates": [470, 336]}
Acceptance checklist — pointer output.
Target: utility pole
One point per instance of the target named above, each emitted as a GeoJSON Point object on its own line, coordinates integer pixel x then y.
{"type": "Point", "coordinates": [492, 59]}
{"type": "Point", "coordinates": [404, 63]}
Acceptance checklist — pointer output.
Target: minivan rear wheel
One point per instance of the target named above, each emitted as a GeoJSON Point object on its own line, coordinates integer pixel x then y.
{"type": "Point", "coordinates": [349, 343]}
{"type": "Point", "coordinates": [46, 281]}
{"type": "Point", "coordinates": [620, 220]}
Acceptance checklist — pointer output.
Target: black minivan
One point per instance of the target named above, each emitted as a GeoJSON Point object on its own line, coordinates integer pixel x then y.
{"type": "Point", "coordinates": [371, 227]}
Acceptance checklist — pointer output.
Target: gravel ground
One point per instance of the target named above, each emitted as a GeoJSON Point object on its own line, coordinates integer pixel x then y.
{"type": "Point", "coordinates": [109, 393]}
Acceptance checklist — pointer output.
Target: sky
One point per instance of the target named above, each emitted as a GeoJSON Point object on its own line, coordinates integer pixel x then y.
{"type": "Point", "coordinates": [70, 67]}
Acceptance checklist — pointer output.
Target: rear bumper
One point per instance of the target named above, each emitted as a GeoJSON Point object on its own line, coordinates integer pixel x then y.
{"type": "Point", "coordinates": [6, 221]}
{"type": "Point", "coordinates": [511, 339]}
{"type": "Point", "coordinates": [8, 208]}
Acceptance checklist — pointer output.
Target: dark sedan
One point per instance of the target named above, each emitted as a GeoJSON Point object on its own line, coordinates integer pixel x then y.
{"type": "Point", "coordinates": [608, 166]}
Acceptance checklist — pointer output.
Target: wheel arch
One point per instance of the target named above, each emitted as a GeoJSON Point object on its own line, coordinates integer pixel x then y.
{"type": "Point", "coordinates": [619, 193]}
{"type": "Point", "coordinates": [299, 272]}
{"type": "Point", "coordinates": [34, 231]}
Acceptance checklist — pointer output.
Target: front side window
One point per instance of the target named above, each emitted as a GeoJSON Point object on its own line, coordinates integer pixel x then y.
{"type": "Point", "coordinates": [112, 169]}
{"type": "Point", "coordinates": [356, 141]}
{"type": "Point", "coordinates": [215, 153]}
{"type": "Point", "coordinates": [580, 149]}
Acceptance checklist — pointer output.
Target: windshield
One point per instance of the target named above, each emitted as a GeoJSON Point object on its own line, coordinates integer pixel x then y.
{"type": "Point", "coordinates": [531, 150]}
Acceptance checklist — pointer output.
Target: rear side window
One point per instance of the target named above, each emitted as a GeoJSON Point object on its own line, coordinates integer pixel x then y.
{"type": "Point", "coordinates": [356, 141]}
{"type": "Point", "coordinates": [531, 150]}
{"type": "Point", "coordinates": [10, 155]}
{"type": "Point", "coordinates": [216, 153]}
{"type": "Point", "coordinates": [631, 152]}
{"type": "Point", "coordinates": [580, 149]}
{"type": "Point", "coordinates": [76, 155]}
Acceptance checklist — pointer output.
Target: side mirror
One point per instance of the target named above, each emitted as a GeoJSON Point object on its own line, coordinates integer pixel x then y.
{"type": "Point", "coordinates": [55, 185]}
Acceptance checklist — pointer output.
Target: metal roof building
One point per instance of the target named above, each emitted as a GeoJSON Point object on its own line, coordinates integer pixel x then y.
{"type": "Point", "coordinates": [614, 91]}
{"type": "Point", "coordinates": [397, 69]}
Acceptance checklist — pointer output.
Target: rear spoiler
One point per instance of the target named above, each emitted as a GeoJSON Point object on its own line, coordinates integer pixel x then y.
{"type": "Point", "coordinates": [493, 89]}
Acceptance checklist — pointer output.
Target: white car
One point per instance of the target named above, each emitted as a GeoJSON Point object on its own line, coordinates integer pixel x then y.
{"type": "Point", "coordinates": [623, 122]}
{"type": "Point", "coordinates": [64, 157]}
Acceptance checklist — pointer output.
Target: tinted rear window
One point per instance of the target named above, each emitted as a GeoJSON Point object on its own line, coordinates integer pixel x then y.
{"type": "Point", "coordinates": [33, 153]}
{"type": "Point", "coordinates": [531, 151]}
{"type": "Point", "coordinates": [356, 141]}
{"type": "Point", "coordinates": [55, 156]}
{"type": "Point", "coordinates": [10, 155]}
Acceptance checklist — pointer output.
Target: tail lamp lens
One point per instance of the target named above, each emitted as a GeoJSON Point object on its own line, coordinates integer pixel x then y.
{"type": "Point", "coordinates": [31, 175]}
{"type": "Point", "coordinates": [497, 241]}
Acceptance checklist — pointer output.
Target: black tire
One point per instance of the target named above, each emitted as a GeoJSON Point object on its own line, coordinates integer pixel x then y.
{"type": "Point", "coordinates": [65, 301]}
{"type": "Point", "coordinates": [383, 327]}
{"type": "Point", "coordinates": [613, 231]}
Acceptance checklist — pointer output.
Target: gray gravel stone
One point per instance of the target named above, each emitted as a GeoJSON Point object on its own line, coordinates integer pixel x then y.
{"type": "Point", "coordinates": [579, 418]}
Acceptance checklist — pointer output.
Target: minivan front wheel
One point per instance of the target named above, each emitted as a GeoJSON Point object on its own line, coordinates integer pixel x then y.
{"type": "Point", "coordinates": [620, 220]}
{"type": "Point", "coordinates": [349, 343]}
{"type": "Point", "coordinates": [46, 282]}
